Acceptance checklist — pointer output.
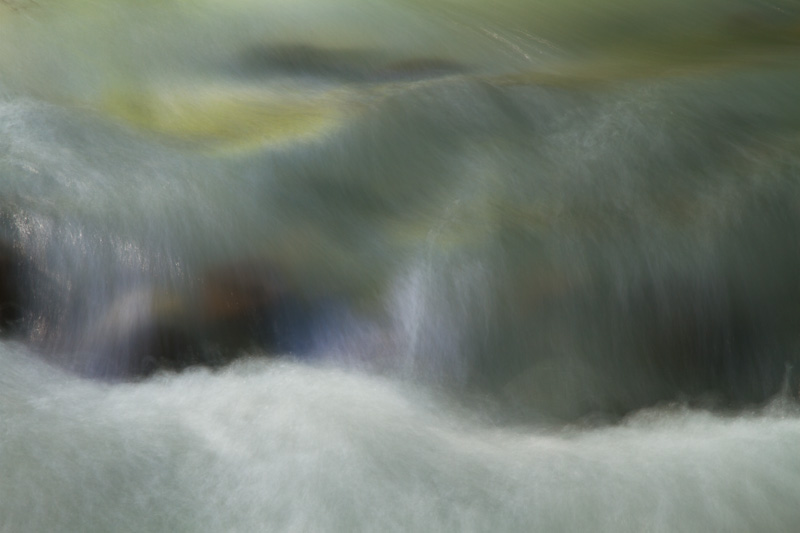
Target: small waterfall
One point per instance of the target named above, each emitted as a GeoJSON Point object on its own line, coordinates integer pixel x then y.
{"type": "Point", "coordinates": [408, 266]}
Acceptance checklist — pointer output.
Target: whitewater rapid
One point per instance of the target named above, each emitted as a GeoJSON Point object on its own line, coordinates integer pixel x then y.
{"type": "Point", "coordinates": [278, 446]}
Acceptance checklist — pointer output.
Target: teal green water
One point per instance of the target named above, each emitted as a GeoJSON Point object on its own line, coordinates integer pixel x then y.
{"type": "Point", "coordinates": [550, 248]}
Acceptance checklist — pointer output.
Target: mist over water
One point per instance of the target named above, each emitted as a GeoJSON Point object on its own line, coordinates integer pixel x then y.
{"type": "Point", "coordinates": [404, 266]}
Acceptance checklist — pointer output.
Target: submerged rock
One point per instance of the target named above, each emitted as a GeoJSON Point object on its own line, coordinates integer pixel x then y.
{"type": "Point", "coordinates": [230, 312]}
{"type": "Point", "coordinates": [340, 65]}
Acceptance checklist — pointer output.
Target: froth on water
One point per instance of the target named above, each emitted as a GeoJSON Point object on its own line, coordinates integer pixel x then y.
{"type": "Point", "coordinates": [276, 446]}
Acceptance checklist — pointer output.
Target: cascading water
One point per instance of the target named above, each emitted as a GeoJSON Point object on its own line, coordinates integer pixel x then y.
{"type": "Point", "coordinates": [407, 266]}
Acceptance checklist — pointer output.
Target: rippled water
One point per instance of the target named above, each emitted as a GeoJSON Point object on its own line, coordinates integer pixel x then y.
{"type": "Point", "coordinates": [508, 267]}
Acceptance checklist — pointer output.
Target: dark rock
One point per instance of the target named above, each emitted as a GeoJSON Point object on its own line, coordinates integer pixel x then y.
{"type": "Point", "coordinates": [10, 299]}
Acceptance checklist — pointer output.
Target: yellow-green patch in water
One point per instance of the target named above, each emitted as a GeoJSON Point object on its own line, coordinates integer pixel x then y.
{"type": "Point", "coordinates": [227, 119]}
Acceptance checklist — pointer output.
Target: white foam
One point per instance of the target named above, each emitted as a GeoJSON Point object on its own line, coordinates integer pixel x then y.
{"type": "Point", "coordinates": [285, 447]}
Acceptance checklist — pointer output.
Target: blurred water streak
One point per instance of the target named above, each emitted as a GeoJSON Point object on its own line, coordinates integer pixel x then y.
{"type": "Point", "coordinates": [527, 265]}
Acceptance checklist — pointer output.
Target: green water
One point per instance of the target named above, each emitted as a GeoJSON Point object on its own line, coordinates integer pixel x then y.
{"type": "Point", "coordinates": [542, 258]}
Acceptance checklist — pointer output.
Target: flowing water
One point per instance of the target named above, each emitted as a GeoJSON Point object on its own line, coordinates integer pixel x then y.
{"type": "Point", "coordinates": [272, 265]}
